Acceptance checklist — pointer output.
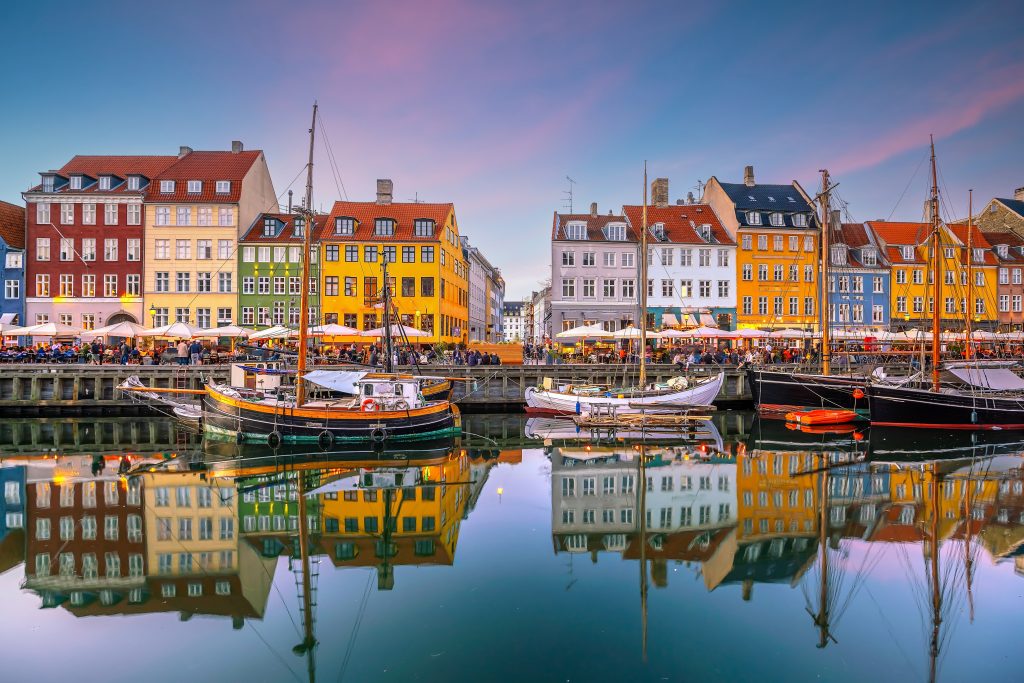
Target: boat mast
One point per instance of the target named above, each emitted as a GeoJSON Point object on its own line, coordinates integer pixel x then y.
{"type": "Point", "coordinates": [970, 271]}
{"type": "Point", "coordinates": [933, 649]}
{"type": "Point", "coordinates": [642, 519]}
{"type": "Point", "coordinates": [643, 290]}
{"type": "Point", "coordinates": [307, 210]}
{"type": "Point", "coordinates": [936, 273]}
{"type": "Point", "coordinates": [826, 342]}
{"type": "Point", "coordinates": [386, 320]}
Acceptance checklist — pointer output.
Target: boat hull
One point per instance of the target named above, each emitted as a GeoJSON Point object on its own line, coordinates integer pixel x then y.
{"type": "Point", "coordinates": [909, 407]}
{"type": "Point", "coordinates": [228, 417]}
{"type": "Point", "coordinates": [783, 392]}
{"type": "Point", "coordinates": [558, 403]}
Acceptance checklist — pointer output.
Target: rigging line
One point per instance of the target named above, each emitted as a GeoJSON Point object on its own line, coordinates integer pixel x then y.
{"type": "Point", "coordinates": [332, 162]}
{"type": "Point", "coordinates": [360, 612]}
{"type": "Point", "coordinates": [909, 182]}
{"type": "Point", "coordinates": [272, 651]}
{"type": "Point", "coordinates": [888, 626]}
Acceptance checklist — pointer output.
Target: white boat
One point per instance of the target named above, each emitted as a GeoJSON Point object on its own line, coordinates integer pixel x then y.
{"type": "Point", "coordinates": [578, 400]}
{"type": "Point", "coordinates": [560, 429]}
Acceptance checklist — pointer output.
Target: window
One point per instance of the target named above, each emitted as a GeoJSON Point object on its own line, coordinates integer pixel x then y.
{"type": "Point", "coordinates": [134, 214]}
{"type": "Point", "coordinates": [223, 187]}
{"type": "Point", "coordinates": [589, 287]}
{"type": "Point", "coordinates": [877, 284]}
{"type": "Point", "coordinates": [225, 216]}
{"type": "Point", "coordinates": [779, 272]}
{"type": "Point", "coordinates": [204, 215]}
{"type": "Point", "coordinates": [723, 289]}
{"type": "Point", "coordinates": [705, 288]}
{"type": "Point", "coordinates": [183, 249]}
{"type": "Point", "coordinates": [800, 221]}
{"type": "Point", "coordinates": [384, 227]}
{"type": "Point", "coordinates": [67, 285]}
{"type": "Point", "coordinates": [67, 248]}
{"type": "Point", "coordinates": [183, 215]}
{"type": "Point", "coordinates": [162, 281]}
{"type": "Point", "coordinates": [388, 254]}
{"type": "Point", "coordinates": [110, 286]}
{"type": "Point", "coordinates": [777, 242]}
{"type": "Point", "coordinates": [1016, 303]}
{"type": "Point", "coordinates": [162, 249]}
{"type": "Point", "coordinates": [423, 227]}
{"type": "Point", "coordinates": [745, 241]}
{"type": "Point", "coordinates": [42, 213]}
{"type": "Point", "coordinates": [67, 214]}
{"type": "Point", "coordinates": [901, 304]}
{"type": "Point", "coordinates": [42, 284]}
{"type": "Point", "coordinates": [263, 285]}
{"type": "Point", "coordinates": [808, 305]}
{"type": "Point", "coordinates": [753, 218]}
{"type": "Point", "coordinates": [370, 254]}
{"type": "Point", "coordinates": [408, 254]}
{"type": "Point", "coordinates": [576, 231]}
{"type": "Point", "coordinates": [12, 289]}
{"type": "Point", "coordinates": [427, 287]}
{"type": "Point", "coordinates": [762, 272]}
{"type": "Point", "coordinates": [762, 305]}
{"type": "Point", "coordinates": [89, 214]}
{"type": "Point", "coordinates": [794, 273]}
{"type": "Point", "coordinates": [918, 276]}
{"type": "Point", "coordinates": [183, 282]}
{"type": "Point", "coordinates": [166, 187]}
{"type": "Point", "coordinates": [133, 284]}
{"type": "Point", "coordinates": [568, 289]}
{"type": "Point", "coordinates": [331, 285]}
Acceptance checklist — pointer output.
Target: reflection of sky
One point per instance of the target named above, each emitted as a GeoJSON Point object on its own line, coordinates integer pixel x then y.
{"type": "Point", "coordinates": [491, 105]}
{"type": "Point", "coordinates": [511, 609]}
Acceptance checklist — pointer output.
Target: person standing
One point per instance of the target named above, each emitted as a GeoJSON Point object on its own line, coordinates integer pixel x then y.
{"type": "Point", "coordinates": [182, 352]}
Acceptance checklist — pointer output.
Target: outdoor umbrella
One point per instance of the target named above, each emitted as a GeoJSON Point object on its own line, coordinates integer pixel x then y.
{"type": "Point", "coordinates": [585, 332]}
{"type": "Point", "coordinates": [275, 332]}
{"type": "Point", "coordinates": [233, 331]}
{"type": "Point", "coordinates": [396, 331]}
{"type": "Point", "coordinates": [45, 330]}
{"type": "Point", "coordinates": [331, 330]}
{"type": "Point", "coordinates": [121, 329]}
{"type": "Point", "coordinates": [178, 330]}
{"type": "Point", "coordinates": [632, 332]}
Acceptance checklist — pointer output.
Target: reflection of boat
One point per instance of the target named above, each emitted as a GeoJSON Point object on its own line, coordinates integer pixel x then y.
{"type": "Point", "coordinates": [554, 429]}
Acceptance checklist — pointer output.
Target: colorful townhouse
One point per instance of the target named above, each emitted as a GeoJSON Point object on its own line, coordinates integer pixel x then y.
{"type": "Point", "coordinates": [12, 264]}
{"type": "Point", "coordinates": [858, 279]}
{"type": "Point", "coordinates": [691, 262]}
{"type": "Point", "coordinates": [486, 295]}
{"type": "Point", "coordinates": [594, 272]}
{"type": "Point", "coordinates": [84, 234]}
{"type": "Point", "coordinates": [1008, 248]}
{"type": "Point", "coordinates": [195, 210]}
{"type": "Point", "coordinates": [270, 271]}
{"type": "Point", "coordinates": [777, 260]}
{"type": "Point", "coordinates": [428, 277]}
{"type": "Point", "coordinates": [906, 246]}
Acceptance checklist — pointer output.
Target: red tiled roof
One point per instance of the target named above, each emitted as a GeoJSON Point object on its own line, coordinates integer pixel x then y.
{"type": "Point", "coordinates": [403, 213]}
{"type": "Point", "coordinates": [1010, 239]}
{"type": "Point", "coordinates": [595, 225]}
{"type": "Point", "coordinates": [287, 234]}
{"type": "Point", "coordinates": [893, 232]}
{"type": "Point", "coordinates": [680, 222]}
{"type": "Point", "coordinates": [12, 224]}
{"type": "Point", "coordinates": [120, 166]}
{"type": "Point", "coordinates": [895, 256]}
{"type": "Point", "coordinates": [855, 236]}
{"type": "Point", "coordinates": [208, 167]}
{"type": "Point", "coordinates": [977, 241]}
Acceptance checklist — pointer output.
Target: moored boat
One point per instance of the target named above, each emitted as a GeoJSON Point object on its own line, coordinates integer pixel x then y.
{"type": "Point", "coordinates": [571, 400]}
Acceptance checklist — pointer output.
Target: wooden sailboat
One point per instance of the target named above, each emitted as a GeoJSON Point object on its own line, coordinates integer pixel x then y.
{"type": "Point", "coordinates": [669, 396]}
{"type": "Point", "coordinates": [385, 407]}
{"type": "Point", "coordinates": [961, 395]}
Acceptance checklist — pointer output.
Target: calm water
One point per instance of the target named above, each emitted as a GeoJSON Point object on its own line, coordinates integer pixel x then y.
{"type": "Point", "coordinates": [744, 552]}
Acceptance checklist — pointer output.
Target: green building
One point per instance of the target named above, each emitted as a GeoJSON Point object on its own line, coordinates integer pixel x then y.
{"type": "Point", "coordinates": [269, 272]}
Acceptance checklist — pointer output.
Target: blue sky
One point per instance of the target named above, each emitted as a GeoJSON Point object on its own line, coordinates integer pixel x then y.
{"type": "Point", "coordinates": [492, 104]}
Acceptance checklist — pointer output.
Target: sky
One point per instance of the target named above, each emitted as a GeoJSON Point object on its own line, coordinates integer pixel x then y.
{"type": "Point", "coordinates": [492, 105]}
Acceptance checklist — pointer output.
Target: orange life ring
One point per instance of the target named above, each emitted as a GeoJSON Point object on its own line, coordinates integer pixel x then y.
{"type": "Point", "coordinates": [368, 405]}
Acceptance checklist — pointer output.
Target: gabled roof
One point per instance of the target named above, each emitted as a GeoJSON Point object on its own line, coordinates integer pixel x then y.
{"type": "Point", "coordinates": [595, 225]}
{"type": "Point", "coordinates": [898, 233]}
{"type": "Point", "coordinates": [977, 241]}
{"type": "Point", "coordinates": [119, 166]}
{"type": "Point", "coordinates": [287, 234]}
{"type": "Point", "coordinates": [766, 197]}
{"type": "Point", "coordinates": [1015, 205]}
{"type": "Point", "coordinates": [403, 213]}
{"type": "Point", "coordinates": [681, 223]}
{"type": "Point", "coordinates": [1010, 239]}
{"type": "Point", "coordinates": [856, 236]}
{"type": "Point", "coordinates": [12, 225]}
{"type": "Point", "coordinates": [208, 167]}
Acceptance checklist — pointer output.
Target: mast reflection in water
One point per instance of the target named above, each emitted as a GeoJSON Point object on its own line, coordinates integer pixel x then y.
{"type": "Point", "coordinates": [400, 564]}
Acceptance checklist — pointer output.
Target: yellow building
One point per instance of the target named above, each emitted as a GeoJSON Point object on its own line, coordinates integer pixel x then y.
{"type": "Point", "coordinates": [194, 212]}
{"type": "Point", "coordinates": [770, 502]}
{"type": "Point", "coordinates": [906, 246]}
{"type": "Point", "coordinates": [777, 260]}
{"type": "Point", "coordinates": [428, 276]}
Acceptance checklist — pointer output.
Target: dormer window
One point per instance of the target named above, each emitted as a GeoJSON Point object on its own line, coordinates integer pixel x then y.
{"type": "Point", "coordinates": [615, 232]}
{"type": "Point", "coordinates": [869, 256]}
{"type": "Point", "coordinates": [658, 230]}
{"type": "Point", "coordinates": [47, 183]}
{"type": "Point", "coordinates": [776, 220]}
{"type": "Point", "coordinates": [949, 252]}
{"type": "Point", "coordinates": [791, 200]}
{"type": "Point", "coordinates": [298, 226]}
{"type": "Point", "coordinates": [751, 198]}
{"type": "Point", "coordinates": [423, 227]}
{"type": "Point", "coordinates": [384, 227]}
{"type": "Point", "coordinates": [704, 231]}
{"type": "Point", "coordinates": [1003, 250]}
{"type": "Point", "coordinates": [771, 199]}
{"type": "Point", "coordinates": [134, 182]}
{"type": "Point", "coordinates": [194, 186]}
{"type": "Point", "coordinates": [753, 218]}
{"type": "Point", "coordinates": [344, 226]}
{"type": "Point", "coordinates": [576, 231]}
{"type": "Point", "coordinates": [907, 253]}
{"type": "Point", "coordinates": [105, 182]}
{"type": "Point", "coordinates": [223, 186]}
{"type": "Point", "coordinates": [979, 255]}
{"type": "Point", "coordinates": [269, 227]}
{"type": "Point", "coordinates": [838, 254]}
{"type": "Point", "coordinates": [76, 182]}
{"type": "Point", "coordinates": [800, 220]}
{"type": "Point", "coordinates": [166, 187]}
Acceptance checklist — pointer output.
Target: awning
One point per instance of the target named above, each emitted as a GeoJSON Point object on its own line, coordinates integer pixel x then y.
{"type": "Point", "coordinates": [689, 320]}
{"type": "Point", "coordinates": [706, 320]}
{"type": "Point", "coordinates": [7, 318]}
{"type": "Point", "coordinates": [336, 380]}
{"type": "Point", "coordinates": [669, 319]}
{"type": "Point", "coordinates": [1000, 377]}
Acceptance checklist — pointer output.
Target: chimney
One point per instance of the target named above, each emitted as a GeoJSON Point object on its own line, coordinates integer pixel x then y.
{"type": "Point", "coordinates": [1018, 194]}
{"type": "Point", "coordinates": [837, 220]}
{"type": "Point", "coordinates": [928, 211]}
{"type": "Point", "coordinates": [680, 202]}
{"type": "Point", "coordinates": [659, 192]}
{"type": "Point", "coordinates": [690, 199]}
{"type": "Point", "coordinates": [289, 201]}
{"type": "Point", "coordinates": [384, 190]}
{"type": "Point", "coordinates": [236, 146]}
{"type": "Point", "coordinates": [748, 176]}
{"type": "Point", "coordinates": [593, 208]}
{"type": "Point", "coordinates": [183, 150]}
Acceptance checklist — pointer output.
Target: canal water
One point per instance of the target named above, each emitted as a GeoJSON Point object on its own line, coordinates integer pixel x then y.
{"type": "Point", "coordinates": [743, 551]}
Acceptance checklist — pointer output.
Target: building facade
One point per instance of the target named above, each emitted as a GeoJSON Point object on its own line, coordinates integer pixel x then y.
{"type": "Point", "coordinates": [12, 264]}
{"type": "Point", "coordinates": [594, 273]}
{"type": "Point", "coordinates": [195, 210]}
{"type": "Point", "coordinates": [270, 272]}
{"type": "Point", "coordinates": [513, 325]}
{"type": "Point", "coordinates": [1008, 248]}
{"type": "Point", "coordinates": [691, 262]}
{"type": "Point", "coordinates": [428, 275]}
{"type": "Point", "coordinates": [84, 240]}
{"type": "Point", "coordinates": [858, 279]}
{"type": "Point", "coordinates": [486, 295]}
{"type": "Point", "coordinates": [777, 259]}
{"type": "Point", "coordinates": [1003, 214]}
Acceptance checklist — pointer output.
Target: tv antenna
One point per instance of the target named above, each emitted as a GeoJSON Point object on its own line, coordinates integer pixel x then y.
{"type": "Point", "coordinates": [567, 198]}
{"type": "Point", "coordinates": [700, 189]}
{"type": "Point", "coordinates": [415, 199]}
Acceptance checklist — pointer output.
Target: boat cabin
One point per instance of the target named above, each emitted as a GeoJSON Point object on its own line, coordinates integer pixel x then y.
{"type": "Point", "coordinates": [391, 393]}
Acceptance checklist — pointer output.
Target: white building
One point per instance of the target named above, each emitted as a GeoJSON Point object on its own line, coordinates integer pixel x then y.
{"type": "Point", "coordinates": [538, 316]}
{"type": "Point", "coordinates": [513, 322]}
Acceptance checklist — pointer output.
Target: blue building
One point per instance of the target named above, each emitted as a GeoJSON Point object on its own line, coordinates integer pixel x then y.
{"type": "Point", "coordinates": [859, 280]}
{"type": "Point", "coordinates": [12, 516]}
{"type": "Point", "coordinates": [12, 264]}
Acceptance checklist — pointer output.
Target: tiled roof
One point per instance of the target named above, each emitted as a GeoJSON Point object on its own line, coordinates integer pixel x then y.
{"type": "Point", "coordinates": [856, 236]}
{"type": "Point", "coordinates": [977, 241]}
{"type": "Point", "coordinates": [208, 167]}
{"type": "Point", "coordinates": [895, 256]}
{"type": "Point", "coordinates": [1015, 205]}
{"type": "Point", "coordinates": [901, 233]}
{"type": "Point", "coordinates": [287, 234]}
{"type": "Point", "coordinates": [12, 225]}
{"type": "Point", "coordinates": [1011, 239]}
{"type": "Point", "coordinates": [404, 213]}
{"type": "Point", "coordinates": [680, 222]}
{"type": "Point", "coordinates": [766, 197]}
{"type": "Point", "coordinates": [595, 225]}
{"type": "Point", "coordinates": [120, 166]}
